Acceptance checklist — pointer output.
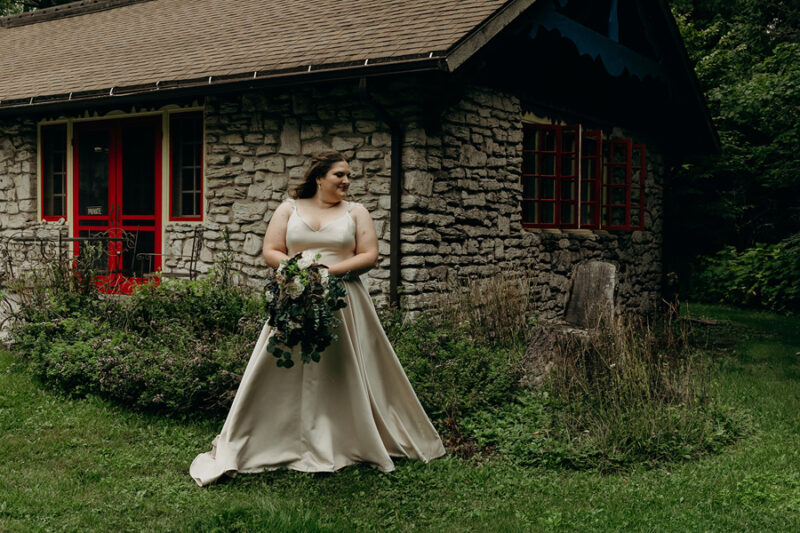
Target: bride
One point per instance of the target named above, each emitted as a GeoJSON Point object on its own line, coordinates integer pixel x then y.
{"type": "Point", "coordinates": [356, 404]}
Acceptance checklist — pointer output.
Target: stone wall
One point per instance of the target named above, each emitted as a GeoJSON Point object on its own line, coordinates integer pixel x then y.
{"type": "Point", "coordinates": [461, 214]}
{"type": "Point", "coordinates": [25, 244]}
{"type": "Point", "coordinates": [17, 174]}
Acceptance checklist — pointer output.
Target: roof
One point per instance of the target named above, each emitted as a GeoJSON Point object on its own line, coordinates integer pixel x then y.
{"type": "Point", "coordinates": [109, 47]}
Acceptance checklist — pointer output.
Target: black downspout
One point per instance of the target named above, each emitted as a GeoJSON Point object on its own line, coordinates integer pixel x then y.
{"type": "Point", "coordinates": [395, 190]}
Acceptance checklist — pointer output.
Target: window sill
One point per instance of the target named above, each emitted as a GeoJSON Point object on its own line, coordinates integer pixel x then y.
{"type": "Point", "coordinates": [568, 231]}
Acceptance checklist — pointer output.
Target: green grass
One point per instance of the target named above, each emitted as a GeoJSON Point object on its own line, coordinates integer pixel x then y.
{"type": "Point", "coordinates": [88, 465]}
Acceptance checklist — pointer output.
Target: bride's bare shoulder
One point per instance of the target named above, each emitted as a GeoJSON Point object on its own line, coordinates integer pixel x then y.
{"type": "Point", "coordinates": [285, 208]}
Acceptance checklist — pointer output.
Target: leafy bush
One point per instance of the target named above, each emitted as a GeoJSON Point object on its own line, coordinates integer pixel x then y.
{"type": "Point", "coordinates": [178, 346]}
{"type": "Point", "coordinates": [453, 373]}
{"type": "Point", "coordinates": [767, 275]}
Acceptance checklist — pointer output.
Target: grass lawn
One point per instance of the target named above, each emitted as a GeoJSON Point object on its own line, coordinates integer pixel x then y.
{"type": "Point", "coordinates": [87, 465]}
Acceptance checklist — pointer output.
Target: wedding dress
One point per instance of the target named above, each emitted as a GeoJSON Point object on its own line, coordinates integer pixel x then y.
{"type": "Point", "coordinates": [355, 405]}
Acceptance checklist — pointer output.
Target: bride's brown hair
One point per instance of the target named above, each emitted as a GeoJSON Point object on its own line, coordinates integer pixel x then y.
{"type": "Point", "coordinates": [320, 165]}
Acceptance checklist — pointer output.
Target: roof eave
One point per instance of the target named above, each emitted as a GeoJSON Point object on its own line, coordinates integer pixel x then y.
{"type": "Point", "coordinates": [234, 82]}
{"type": "Point", "coordinates": [466, 47]}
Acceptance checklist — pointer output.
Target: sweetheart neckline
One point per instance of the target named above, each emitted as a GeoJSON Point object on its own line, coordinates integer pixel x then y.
{"type": "Point", "coordinates": [309, 226]}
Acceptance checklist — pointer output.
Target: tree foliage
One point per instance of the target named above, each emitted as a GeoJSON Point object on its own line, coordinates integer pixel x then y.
{"type": "Point", "coordinates": [11, 7]}
{"type": "Point", "coordinates": [747, 58]}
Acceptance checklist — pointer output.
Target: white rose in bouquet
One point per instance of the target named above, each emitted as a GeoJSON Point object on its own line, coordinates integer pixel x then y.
{"type": "Point", "coordinates": [295, 288]}
{"type": "Point", "coordinates": [323, 277]}
{"type": "Point", "coordinates": [306, 260]}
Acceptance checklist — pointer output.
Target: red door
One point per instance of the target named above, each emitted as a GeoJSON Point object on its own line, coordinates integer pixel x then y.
{"type": "Point", "coordinates": [117, 168]}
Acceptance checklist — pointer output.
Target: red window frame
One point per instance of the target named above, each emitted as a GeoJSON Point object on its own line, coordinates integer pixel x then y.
{"type": "Point", "coordinates": [594, 184]}
{"type": "Point", "coordinates": [552, 188]}
{"type": "Point", "coordinates": [53, 159]}
{"type": "Point", "coordinates": [177, 122]}
{"type": "Point", "coordinates": [638, 185]}
{"type": "Point", "coordinates": [591, 178]}
{"type": "Point", "coordinates": [617, 185]}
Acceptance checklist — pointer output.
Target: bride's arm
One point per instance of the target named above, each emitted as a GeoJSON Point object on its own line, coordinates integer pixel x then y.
{"type": "Point", "coordinates": [366, 245]}
{"type": "Point", "coordinates": [274, 249]}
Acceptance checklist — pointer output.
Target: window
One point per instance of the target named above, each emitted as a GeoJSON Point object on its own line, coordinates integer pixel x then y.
{"type": "Point", "coordinates": [186, 167]}
{"type": "Point", "coordinates": [572, 178]}
{"type": "Point", "coordinates": [54, 172]}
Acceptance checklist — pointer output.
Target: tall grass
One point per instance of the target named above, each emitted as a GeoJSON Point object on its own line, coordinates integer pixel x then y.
{"type": "Point", "coordinates": [497, 309]}
{"type": "Point", "coordinates": [636, 390]}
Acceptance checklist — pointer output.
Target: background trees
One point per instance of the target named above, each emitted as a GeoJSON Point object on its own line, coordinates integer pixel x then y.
{"type": "Point", "coordinates": [747, 58]}
{"type": "Point", "coordinates": [10, 7]}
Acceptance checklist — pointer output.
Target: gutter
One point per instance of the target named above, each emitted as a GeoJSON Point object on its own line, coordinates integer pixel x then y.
{"type": "Point", "coordinates": [395, 189]}
{"type": "Point", "coordinates": [433, 61]}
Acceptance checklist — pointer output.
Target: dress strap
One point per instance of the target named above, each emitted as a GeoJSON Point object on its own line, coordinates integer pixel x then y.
{"type": "Point", "coordinates": [293, 202]}
{"type": "Point", "coordinates": [351, 205]}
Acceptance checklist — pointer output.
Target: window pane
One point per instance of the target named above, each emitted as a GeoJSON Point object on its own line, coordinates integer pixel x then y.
{"type": "Point", "coordinates": [188, 151]}
{"type": "Point", "coordinates": [528, 190]}
{"type": "Point", "coordinates": [588, 214]}
{"type": "Point", "coordinates": [589, 145]}
{"type": "Point", "coordinates": [619, 175]}
{"type": "Point", "coordinates": [548, 140]}
{"type": "Point", "coordinates": [617, 195]}
{"type": "Point", "coordinates": [567, 165]}
{"type": "Point", "coordinates": [529, 139]}
{"type": "Point", "coordinates": [547, 188]}
{"type": "Point", "coordinates": [188, 183]}
{"type": "Point", "coordinates": [139, 169]}
{"type": "Point", "coordinates": [568, 143]}
{"type": "Point", "coordinates": [529, 163]}
{"type": "Point", "coordinates": [620, 154]}
{"type": "Point", "coordinates": [617, 216]}
{"type": "Point", "coordinates": [548, 162]}
{"type": "Point", "coordinates": [528, 211]}
{"type": "Point", "coordinates": [568, 213]}
{"type": "Point", "coordinates": [588, 169]}
{"type": "Point", "coordinates": [93, 147]}
{"type": "Point", "coordinates": [587, 191]}
{"type": "Point", "coordinates": [568, 190]}
{"type": "Point", "coordinates": [187, 201]}
{"type": "Point", "coordinates": [54, 163]}
{"type": "Point", "coordinates": [547, 213]}
{"type": "Point", "coordinates": [187, 163]}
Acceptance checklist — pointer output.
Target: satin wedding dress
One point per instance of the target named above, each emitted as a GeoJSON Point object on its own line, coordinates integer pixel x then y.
{"type": "Point", "coordinates": [355, 405]}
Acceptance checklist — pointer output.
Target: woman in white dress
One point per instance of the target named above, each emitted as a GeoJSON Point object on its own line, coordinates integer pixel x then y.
{"type": "Point", "coordinates": [356, 404]}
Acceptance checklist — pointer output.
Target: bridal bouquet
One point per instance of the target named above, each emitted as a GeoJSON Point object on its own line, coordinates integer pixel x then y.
{"type": "Point", "coordinates": [300, 300]}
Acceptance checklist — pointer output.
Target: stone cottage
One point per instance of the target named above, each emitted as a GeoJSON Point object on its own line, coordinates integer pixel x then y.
{"type": "Point", "coordinates": [484, 135]}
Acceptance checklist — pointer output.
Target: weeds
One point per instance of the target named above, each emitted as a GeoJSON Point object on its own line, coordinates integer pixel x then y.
{"type": "Point", "coordinates": [496, 309]}
{"type": "Point", "coordinates": [626, 391]}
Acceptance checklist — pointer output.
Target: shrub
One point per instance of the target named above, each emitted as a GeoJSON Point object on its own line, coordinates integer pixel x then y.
{"type": "Point", "coordinates": [628, 392]}
{"type": "Point", "coordinates": [464, 354]}
{"type": "Point", "coordinates": [767, 275]}
{"type": "Point", "coordinates": [453, 373]}
{"type": "Point", "coordinates": [178, 346]}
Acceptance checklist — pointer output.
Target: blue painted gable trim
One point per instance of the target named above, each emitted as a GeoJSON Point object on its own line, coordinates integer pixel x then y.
{"type": "Point", "coordinates": [616, 58]}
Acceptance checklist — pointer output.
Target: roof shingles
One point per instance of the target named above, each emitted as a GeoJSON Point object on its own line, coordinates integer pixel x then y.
{"type": "Point", "coordinates": [164, 40]}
